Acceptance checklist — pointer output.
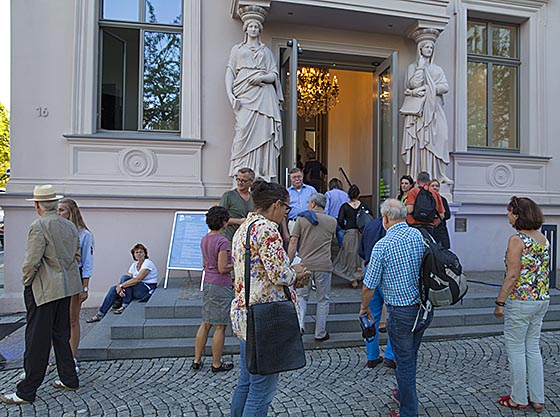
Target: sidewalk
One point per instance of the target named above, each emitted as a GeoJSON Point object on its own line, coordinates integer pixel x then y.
{"type": "Point", "coordinates": [455, 378]}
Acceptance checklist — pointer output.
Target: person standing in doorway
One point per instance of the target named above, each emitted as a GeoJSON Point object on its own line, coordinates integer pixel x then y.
{"type": "Point", "coordinates": [238, 201]}
{"type": "Point", "coordinates": [50, 277]}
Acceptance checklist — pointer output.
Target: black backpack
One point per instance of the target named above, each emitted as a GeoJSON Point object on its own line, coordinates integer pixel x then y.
{"type": "Point", "coordinates": [363, 218]}
{"type": "Point", "coordinates": [424, 206]}
{"type": "Point", "coordinates": [441, 275]}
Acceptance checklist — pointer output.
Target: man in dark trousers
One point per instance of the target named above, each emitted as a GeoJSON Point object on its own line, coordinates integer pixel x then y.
{"type": "Point", "coordinates": [372, 233]}
{"type": "Point", "coordinates": [50, 278]}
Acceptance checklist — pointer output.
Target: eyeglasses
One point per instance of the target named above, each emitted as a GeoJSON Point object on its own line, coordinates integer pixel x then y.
{"type": "Point", "coordinates": [241, 180]}
{"type": "Point", "coordinates": [287, 207]}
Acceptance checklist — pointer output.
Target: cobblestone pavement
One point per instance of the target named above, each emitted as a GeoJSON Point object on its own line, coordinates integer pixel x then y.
{"type": "Point", "coordinates": [455, 378]}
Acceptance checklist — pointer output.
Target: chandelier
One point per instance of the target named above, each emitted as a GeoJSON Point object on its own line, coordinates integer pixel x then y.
{"type": "Point", "coordinates": [317, 92]}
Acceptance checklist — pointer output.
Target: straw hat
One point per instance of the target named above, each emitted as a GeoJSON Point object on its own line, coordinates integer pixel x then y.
{"type": "Point", "coordinates": [44, 193]}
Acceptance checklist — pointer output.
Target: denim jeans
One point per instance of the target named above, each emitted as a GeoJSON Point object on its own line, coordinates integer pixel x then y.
{"type": "Point", "coordinates": [339, 235]}
{"type": "Point", "coordinates": [253, 393]}
{"type": "Point", "coordinates": [372, 348]}
{"type": "Point", "coordinates": [323, 284]}
{"type": "Point", "coordinates": [522, 333]}
{"type": "Point", "coordinates": [406, 339]}
{"type": "Point", "coordinates": [138, 292]}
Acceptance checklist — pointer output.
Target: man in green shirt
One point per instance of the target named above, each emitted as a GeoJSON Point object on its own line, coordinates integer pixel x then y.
{"type": "Point", "coordinates": [238, 201]}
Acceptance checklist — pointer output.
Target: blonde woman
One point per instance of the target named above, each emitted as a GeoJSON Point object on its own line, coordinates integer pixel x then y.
{"type": "Point", "coordinates": [69, 209]}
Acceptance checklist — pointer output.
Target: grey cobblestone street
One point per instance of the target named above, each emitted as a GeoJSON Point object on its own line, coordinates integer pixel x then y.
{"type": "Point", "coordinates": [455, 378]}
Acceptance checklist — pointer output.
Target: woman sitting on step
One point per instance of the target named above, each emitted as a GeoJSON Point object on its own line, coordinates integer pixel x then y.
{"type": "Point", "coordinates": [139, 283]}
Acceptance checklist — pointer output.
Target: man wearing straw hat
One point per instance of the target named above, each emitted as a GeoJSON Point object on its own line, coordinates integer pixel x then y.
{"type": "Point", "coordinates": [50, 278]}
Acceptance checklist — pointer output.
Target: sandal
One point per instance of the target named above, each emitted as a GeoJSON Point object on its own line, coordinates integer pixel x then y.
{"type": "Point", "coordinates": [119, 310]}
{"type": "Point", "coordinates": [538, 407]}
{"type": "Point", "coordinates": [196, 366]}
{"type": "Point", "coordinates": [94, 319]}
{"type": "Point", "coordinates": [507, 402]}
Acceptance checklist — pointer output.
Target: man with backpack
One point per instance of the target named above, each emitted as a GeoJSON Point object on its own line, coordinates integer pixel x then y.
{"type": "Point", "coordinates": [424, 206]}
{"type": "Point", "coordinates": [395, 265]}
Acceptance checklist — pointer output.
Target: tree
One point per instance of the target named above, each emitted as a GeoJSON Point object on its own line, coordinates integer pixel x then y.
{"type": "Point", "coordinates": [4, 145]}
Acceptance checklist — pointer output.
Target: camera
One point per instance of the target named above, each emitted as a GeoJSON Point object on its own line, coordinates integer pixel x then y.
{"type": "Point", "coordinates": [368, 327]}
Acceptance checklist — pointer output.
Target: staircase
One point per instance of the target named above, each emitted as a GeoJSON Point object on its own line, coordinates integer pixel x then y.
{"type": "Point", "coordinates": [166, 326]}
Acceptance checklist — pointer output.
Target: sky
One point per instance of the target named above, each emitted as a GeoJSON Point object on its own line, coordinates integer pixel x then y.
{"type": "Point", "coordinates": [5, 52]}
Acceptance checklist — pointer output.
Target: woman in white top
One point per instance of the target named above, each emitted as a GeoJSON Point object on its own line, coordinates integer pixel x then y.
{"type": "Point", "coordinates": [139, 283]}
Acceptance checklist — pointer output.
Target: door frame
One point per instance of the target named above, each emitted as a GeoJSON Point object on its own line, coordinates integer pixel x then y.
{"type": "Point", "coordinates": [278, 43]}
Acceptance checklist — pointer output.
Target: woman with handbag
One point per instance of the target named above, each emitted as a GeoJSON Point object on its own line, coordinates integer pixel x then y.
{"type": "Point", "coordinates": [269, 275]}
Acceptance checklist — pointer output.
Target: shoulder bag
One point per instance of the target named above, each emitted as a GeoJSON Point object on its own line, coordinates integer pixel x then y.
{"type": "Point", "coordinates": [274, 341]}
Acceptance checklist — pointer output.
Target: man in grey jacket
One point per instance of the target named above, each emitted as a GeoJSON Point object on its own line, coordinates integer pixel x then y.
{"type": "Point", "coordinates": [50, 278]}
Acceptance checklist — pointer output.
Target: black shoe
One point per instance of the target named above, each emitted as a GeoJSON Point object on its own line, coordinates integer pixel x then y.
{"type": "Point", "coordinates": [224, 367]}
{"type": "Point", "coordinates": [322, 339]}
{"type": "Point", "coordinates": [196, 366]}
{"type": "Point", "coordinates": [389, 363]}
{"type": "Point", "coordinates": [373, 363]}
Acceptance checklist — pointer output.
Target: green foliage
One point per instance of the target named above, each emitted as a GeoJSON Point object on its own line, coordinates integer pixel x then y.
{"type": "Point", "coordinates": [4, 144]}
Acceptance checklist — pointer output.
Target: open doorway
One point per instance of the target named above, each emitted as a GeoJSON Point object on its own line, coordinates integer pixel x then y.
{"type": "Point", "coordinates": [357, 136]}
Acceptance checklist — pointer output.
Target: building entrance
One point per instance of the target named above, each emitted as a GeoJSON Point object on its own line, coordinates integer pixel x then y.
{"type": "Point", "coordinates": [356, 140]}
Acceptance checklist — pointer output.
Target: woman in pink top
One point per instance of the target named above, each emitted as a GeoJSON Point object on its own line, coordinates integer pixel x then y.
{"type": "Point", "coordinates": [218, 291]}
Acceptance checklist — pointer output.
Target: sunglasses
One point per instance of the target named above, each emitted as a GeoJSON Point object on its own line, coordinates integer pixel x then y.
{"type": "Point", "coordinates": [241, 180]}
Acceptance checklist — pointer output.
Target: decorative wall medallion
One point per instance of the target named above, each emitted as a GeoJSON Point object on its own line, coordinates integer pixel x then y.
{"type": "Point", "coordinates": [137, 162]}
{"type": "Point", "coordinates": [500, 175]}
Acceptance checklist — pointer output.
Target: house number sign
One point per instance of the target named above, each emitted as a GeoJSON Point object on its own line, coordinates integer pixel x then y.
{"type": "Point", "coordinates": [42, 111]}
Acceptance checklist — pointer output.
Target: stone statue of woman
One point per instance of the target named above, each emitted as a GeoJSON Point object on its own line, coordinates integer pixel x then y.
{"type": "Point", "coordinates": [425, 142]}
{"type": "Point", "coordinates": [253, 89]}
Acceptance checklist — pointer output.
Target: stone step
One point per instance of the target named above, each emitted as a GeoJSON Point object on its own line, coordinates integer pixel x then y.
{"type": "Point", "coordinates": [161, 306]}
{"type": "Point", "coordinates": [134, 327]}
{"type": "Point", "coordinates": [98, 349]}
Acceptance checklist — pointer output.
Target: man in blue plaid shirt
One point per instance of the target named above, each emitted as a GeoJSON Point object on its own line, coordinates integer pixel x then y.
{"type": "Point", "coordinates": [395, 265]}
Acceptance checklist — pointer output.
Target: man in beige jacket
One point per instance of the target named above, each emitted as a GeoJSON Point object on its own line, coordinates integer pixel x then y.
{"type": "Point", "coordinates": [50, 278]}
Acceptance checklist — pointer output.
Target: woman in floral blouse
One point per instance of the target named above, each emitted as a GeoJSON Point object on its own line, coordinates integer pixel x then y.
{"type": "Point", "coordinates": [524, 294]}
{"type": "Point", "coordinates": [270, 272]}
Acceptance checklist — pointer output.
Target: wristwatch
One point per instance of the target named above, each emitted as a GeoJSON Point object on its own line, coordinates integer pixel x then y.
{"type": "Point", "coordinates": [86, 289]}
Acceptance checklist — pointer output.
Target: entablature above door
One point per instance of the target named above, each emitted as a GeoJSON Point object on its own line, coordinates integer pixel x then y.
{"type": "Point", "coordinates": [395, 17]}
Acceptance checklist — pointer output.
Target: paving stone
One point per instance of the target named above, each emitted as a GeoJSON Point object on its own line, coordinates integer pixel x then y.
{"type": "Point", "coordinates": [455, 378]}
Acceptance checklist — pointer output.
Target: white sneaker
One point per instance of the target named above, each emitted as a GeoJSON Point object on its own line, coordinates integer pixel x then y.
{"type": "Point", "coordinates": [21, 376]}
{"type": "Point", "coordinates": [13, 399]}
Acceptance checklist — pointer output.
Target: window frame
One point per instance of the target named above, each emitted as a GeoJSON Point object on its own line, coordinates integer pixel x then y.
{"type": "Point", "coordinates": [490, 61]}
{"type": "Point", "coordinates": [142, 26]}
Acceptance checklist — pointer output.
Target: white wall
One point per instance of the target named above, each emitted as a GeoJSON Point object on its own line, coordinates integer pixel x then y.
{"type": "Point", "coordinates": [351, 129]}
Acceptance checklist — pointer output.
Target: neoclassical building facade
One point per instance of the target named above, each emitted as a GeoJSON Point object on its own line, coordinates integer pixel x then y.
{"type": "Point", "coordinates": [122, 106]}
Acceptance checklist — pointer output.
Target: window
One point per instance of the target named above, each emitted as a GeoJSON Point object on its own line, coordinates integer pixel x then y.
{"type": "Point", "coordinates": [140, 65]}
{"type": "Point", "coordinates": [492, 85]}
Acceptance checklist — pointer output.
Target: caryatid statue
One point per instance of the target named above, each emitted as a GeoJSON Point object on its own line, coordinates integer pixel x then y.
{"type": "Point", "coordinates": [425, 145]}
{"type": "Point", "coordinates": [254, 91]}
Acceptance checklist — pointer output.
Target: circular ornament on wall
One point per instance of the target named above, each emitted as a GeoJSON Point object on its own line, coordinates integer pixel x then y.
{"type": "Point", "coordinates": [500, 175]}
{"type": "Point", "coordinates": [137, 162]}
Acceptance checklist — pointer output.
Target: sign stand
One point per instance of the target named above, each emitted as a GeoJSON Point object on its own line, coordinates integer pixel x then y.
{"type": "Point", "coordinates": [189, 227]}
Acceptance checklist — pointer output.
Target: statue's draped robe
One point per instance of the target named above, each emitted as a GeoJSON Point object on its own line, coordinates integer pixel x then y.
{"type": "Point", "coordinates": [258, 129]}
{"type": "Point", "coordinates": [425, 140]}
